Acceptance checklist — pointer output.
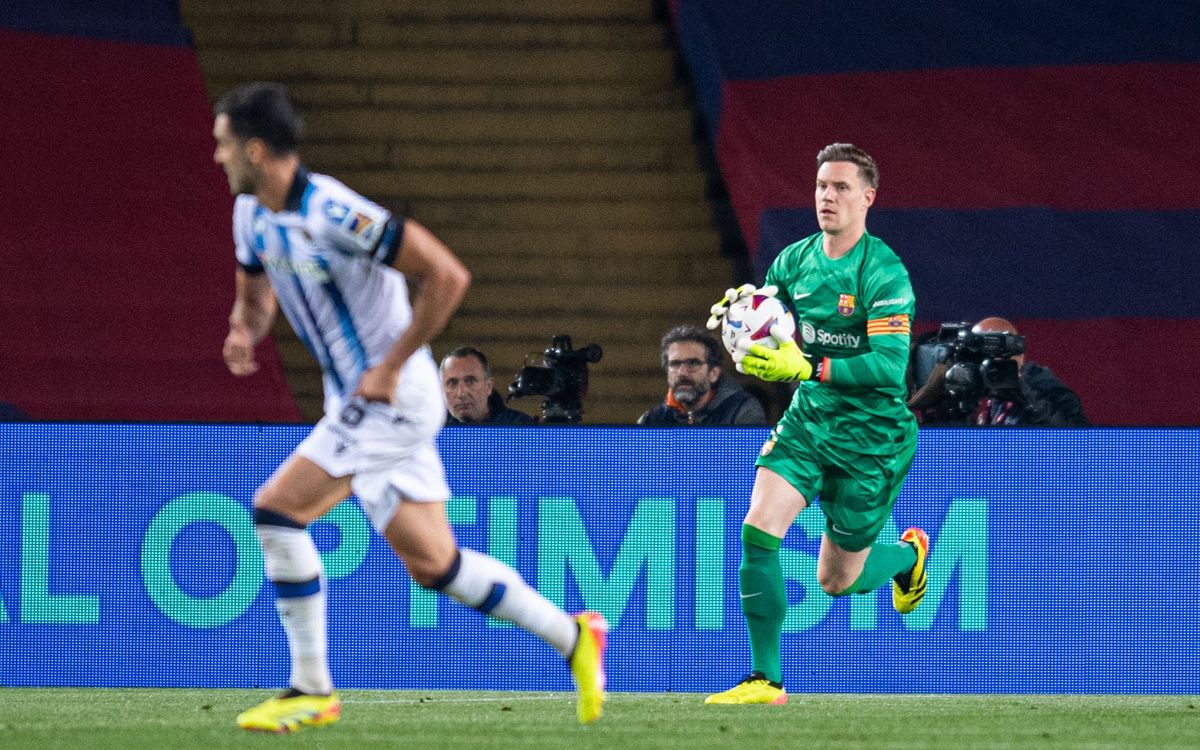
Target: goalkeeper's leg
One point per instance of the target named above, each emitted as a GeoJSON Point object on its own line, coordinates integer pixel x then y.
{"type": "Point", "coordinates": [857, 504]}
{"type": "Point", "coordinates": [774, 504]}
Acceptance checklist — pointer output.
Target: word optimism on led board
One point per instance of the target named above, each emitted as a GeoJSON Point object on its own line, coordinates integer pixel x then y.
{"type": "Point", "coordinates": [648, 555]}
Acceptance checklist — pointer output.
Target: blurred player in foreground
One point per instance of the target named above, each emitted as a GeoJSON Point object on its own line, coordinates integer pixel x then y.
{"type": "Point", "coordinates": [337, 264]}
{"type": "Point", "coordinates": [847, 435]}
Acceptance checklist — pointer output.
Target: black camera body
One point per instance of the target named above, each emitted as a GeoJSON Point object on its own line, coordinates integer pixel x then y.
{"type": "Point", "coordinates": [561, 379]}
{"type": "Point", "coordinates": [975, 365]}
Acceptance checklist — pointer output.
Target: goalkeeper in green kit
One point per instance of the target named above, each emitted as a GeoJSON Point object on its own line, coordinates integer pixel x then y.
{"type": "Point", "coordinates": [847, 435]}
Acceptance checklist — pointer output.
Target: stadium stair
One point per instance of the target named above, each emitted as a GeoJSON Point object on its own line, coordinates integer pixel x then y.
{"type": "Point", "coordinates": [549, 144]}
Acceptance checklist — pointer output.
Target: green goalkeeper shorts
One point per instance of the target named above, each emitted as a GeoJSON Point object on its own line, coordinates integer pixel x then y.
{"type": "Point", "coordinates": [856, 491]}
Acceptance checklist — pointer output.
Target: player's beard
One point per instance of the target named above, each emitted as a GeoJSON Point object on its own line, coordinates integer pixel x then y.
{"type": "Point", "coordinates": [245, 179]}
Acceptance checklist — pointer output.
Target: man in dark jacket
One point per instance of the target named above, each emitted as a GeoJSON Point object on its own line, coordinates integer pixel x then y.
{"type": "Point", "coordinates": [471, 398]}
{"type": "Point", "coordinates": [697, 391]}
{"type": "Point", "coordinates": [1044, 400]}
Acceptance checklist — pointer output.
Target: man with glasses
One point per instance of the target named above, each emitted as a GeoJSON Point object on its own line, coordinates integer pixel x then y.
{"type": "Point", "coordinates": [697, 391]}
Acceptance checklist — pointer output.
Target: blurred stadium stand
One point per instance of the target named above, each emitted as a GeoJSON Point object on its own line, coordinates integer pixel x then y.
{"type": "Point", "coordinates": [115, 223]}
{"type": "Point", "coordinates": [1037, 162]}
{"type": "Point", "coordinates": [1036, 157]}
{"type": "Point", "coordinates": [550, 144]}
{"type": "Point", "coordinates": [552, 147]}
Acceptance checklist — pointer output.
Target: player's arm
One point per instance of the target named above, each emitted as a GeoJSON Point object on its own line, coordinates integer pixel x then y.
{"type": "Point", "coordinates": [443, 284]}
{"type": "Point", "coordinates": [889, 299]}
{"type": "Point", "coordinates": [254, 307]}
{"type": "Point", "coordinates": [884, 366]}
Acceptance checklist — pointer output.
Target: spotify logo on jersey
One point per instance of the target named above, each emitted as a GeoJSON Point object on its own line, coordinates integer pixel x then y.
{"type": "Point", "coordinates": [808, 333]}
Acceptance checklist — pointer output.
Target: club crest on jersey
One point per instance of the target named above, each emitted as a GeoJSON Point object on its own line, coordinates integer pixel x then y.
{"type": "Point", "coordinates": [361, 224]}
{"type": "Point", "coordinates": [845, 304]}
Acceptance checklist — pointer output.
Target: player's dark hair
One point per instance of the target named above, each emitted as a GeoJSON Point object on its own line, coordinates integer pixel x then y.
{"type": "Point", "coordinates": [469, 351]}
{"type": "Point", "coordinates": [264, 111]}
{"type": "Point", "coordinates": [695, 334]}
{"type": "Point", "coordinates": [867, 169]}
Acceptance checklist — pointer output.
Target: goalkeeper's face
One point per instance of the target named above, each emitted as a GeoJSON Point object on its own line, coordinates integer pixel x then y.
{"type": "Point", "coordinates": [689, 376]}
{"type": "Point", "coordinates": [842, 198]}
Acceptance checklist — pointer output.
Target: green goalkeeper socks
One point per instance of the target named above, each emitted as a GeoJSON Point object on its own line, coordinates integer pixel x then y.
{"type": "Point", "coordinates": [764, 600]}
{"type": "Point", "coordinates": [884, 562]}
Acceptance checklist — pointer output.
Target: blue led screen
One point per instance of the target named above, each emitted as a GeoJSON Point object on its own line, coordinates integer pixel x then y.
{"type": "Point", "coordinates": [1062, 561]}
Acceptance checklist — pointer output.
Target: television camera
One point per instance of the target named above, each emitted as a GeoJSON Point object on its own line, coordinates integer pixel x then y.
{"type": "Point", "coordinates": [561, 378]}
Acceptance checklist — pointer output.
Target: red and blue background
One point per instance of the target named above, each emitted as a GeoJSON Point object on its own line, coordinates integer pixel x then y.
{"type": "Point", "coordinates": [1037, 162]}
{"type": "Point", "coordinates": [115, 223]}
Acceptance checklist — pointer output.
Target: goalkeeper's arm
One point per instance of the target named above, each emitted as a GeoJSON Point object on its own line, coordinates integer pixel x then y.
{"type": "Point", "coordinates": [885, 365]}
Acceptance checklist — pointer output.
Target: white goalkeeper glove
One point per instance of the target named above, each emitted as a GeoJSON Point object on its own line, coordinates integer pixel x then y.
{"type": "Point", "coordinates": [717, 311]}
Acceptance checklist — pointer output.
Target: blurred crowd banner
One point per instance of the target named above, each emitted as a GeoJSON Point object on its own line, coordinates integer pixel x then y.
{"type": "Point", "coordinates": [1062, 561]}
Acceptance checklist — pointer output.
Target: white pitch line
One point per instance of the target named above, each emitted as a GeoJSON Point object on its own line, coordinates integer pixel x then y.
{"type": "Point", "coordinates": [515, 698]}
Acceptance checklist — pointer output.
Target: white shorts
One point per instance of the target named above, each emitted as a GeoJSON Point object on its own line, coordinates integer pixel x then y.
{"type": "Point", "coordinates": [389, 450]}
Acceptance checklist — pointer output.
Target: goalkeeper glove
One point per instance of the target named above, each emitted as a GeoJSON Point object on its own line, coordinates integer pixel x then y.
{"type": "Point", "coordinates": [786, 363]}
{"type": "Point", "coordinates": [717, 312]}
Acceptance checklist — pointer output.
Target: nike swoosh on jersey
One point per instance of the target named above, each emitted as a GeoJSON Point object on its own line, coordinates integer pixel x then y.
{"type": "Point", "coordinates": [801, 295]}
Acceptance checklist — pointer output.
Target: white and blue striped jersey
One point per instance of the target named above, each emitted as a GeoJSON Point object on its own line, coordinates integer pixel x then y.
{"type": "Point", "coordinates": [328, 256]}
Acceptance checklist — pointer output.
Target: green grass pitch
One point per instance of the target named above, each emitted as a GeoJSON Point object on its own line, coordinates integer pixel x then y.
{"type": "Point", "coordinates": [146, 719]}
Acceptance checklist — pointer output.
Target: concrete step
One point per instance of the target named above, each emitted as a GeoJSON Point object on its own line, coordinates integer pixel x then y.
{"type": "Point", "coordinates": [413, 10]}
{"type": "Point", "coordinates": [219, 33]}
{"type": "Point", "coordinates": [489, 126]}
{"type": "Point", "coordinates": [547, 295]}
{"type": "Point", "coordinates": [521, 184]}
{"type": "Point", "coordinates": [689, 269]}
{"type": "Point", "coordinates": [600, 94]}
{"type": "Point", "coordinates": [619, 246]}
{"type": "Point", "coordinates": [525, 327]}
{"type": "Point", "coordinates": [593, 34]}
{"type": "Point", "coordinates": [339, 157]}
{"type": "Point", "coordinates": [451, 66]}
{"type": "Point", "coordinates": [538, 215]}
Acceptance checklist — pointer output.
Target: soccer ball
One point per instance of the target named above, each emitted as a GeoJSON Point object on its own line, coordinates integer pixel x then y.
{"type": "Point", "coordinates": [751, 318]}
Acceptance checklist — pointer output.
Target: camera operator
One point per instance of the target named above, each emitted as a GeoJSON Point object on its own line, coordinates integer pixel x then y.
{"type": "Point", "coordinates": [471, 397]}
{"type": "Point", "coordinates": [698, 393]}
{"type": "Point", "coordinates": [561, 378]}
{"type": "Point", "coordinates": [1043, 401]}
{"type": "Point", "coordinates": [981, 378]}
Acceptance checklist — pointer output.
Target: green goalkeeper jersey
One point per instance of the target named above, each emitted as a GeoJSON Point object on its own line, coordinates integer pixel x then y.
{"type": "Point", "coordinates": [855, 313]}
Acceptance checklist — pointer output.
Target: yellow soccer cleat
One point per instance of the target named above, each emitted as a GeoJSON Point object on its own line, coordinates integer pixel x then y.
{"type": "Point", "coordinates": [908, 588]}
{"type": "Point", "coordinates": [754, 688]}
{"type": "Point", "coordinates": [291, 712]}
{"type": "Point", "coordinates": [587, 665]}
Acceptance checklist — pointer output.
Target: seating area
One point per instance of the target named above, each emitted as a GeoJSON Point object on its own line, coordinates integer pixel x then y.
{"type": "Point", "coordinates": [550, 145]}
{"type": "Point", "coordinates": [553, 146]}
